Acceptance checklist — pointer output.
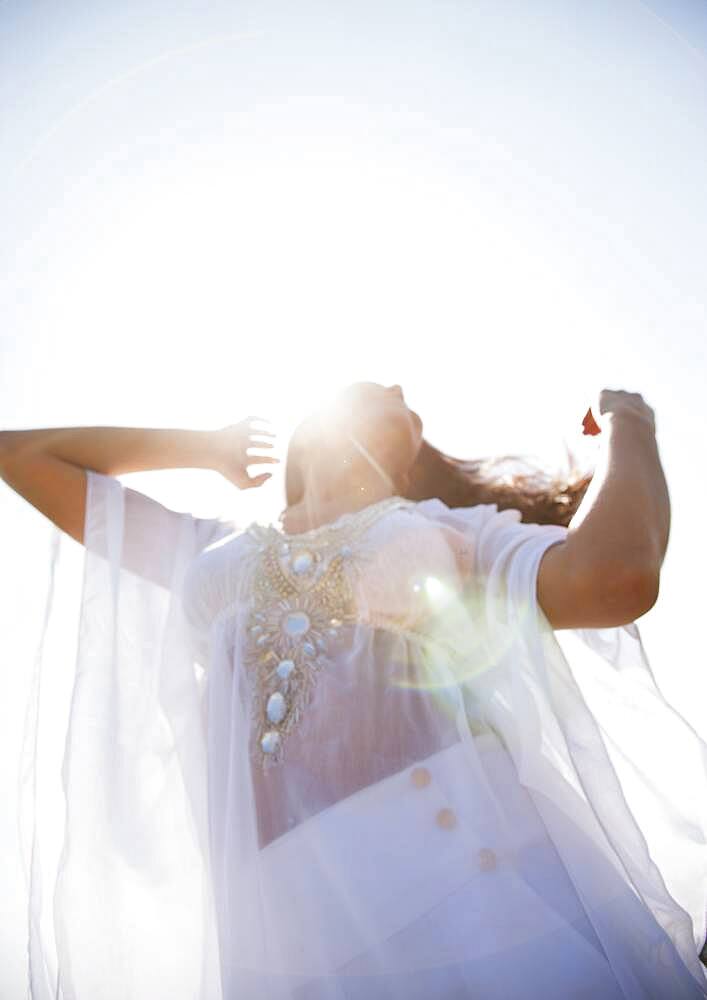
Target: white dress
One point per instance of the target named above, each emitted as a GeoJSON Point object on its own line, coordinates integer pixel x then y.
{"type": "Point", "coordinates": [357, 763]}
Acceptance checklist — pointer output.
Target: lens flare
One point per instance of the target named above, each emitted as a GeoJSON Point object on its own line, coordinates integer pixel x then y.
{"type": "Point", "coordinates": [461, 641]}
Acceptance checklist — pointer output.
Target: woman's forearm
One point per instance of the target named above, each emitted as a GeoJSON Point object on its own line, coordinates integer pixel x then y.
{"type": "Point", "coordinates": [117, 450]}
{"type": "Point", "coordinates": [624, 518]}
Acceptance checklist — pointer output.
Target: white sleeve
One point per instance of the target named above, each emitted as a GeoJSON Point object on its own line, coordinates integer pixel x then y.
{"type": "Point", "coordinates": [131, 891]}
{"type": "Point", "coordinates": [508, 554]}
{"type": "Point", "coordinates": [498, 553]}
{"type": "Point", "coordinates": [145, 534]}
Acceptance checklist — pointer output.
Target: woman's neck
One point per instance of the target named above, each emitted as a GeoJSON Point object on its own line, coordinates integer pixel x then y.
{"type": "Point", "coordinates": [318, 507]}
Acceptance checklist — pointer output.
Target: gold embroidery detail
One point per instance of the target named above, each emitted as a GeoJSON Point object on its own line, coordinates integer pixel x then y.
{"type": "Point", "coordinates": [301, 598]}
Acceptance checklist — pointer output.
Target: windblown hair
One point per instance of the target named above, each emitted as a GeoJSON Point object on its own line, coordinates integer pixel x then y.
{"type": "Point", "coordinates": [540, 497]}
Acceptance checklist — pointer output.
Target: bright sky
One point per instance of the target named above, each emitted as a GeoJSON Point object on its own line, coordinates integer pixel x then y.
{"type": "Point", "coordinates": [216, 210]}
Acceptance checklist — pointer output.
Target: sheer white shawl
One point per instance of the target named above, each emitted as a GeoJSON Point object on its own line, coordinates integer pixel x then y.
{"type": "Point", "coordinates": [128, 909]}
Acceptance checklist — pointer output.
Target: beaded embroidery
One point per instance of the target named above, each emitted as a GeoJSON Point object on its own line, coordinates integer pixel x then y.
{"type": "Point", "coordinates": [301, 597]}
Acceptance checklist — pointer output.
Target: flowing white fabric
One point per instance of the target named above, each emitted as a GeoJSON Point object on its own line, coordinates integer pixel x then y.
{"type": "Point", "coordinates": [461, 808]}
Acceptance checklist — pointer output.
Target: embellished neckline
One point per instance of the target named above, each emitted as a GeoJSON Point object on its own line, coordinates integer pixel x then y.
{"type": "Point", "coordinates": [349, 520]}
{"type": "Point", "coordinates": [301, 596]}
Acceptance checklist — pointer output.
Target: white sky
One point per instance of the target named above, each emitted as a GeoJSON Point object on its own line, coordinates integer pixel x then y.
{"type": "Point", "coordinates": [214, 210]}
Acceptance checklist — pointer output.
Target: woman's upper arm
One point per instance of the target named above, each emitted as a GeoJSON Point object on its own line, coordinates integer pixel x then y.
{"type": "Point", "coordinates": [54, 487]}
{"type": "Point", "coordinates": [99, 512]}
{"type": "Point", "coordinates": [570, 588]}
{"type": "Point", "coordinates": [574, 594]}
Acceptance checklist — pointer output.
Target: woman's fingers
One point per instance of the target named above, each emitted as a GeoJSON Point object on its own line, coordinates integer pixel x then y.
{"type": "Point", "coordinates": [609, 401]}
{"type": "Point", "coordinates": [252, 459]}
{"type": "Point", "coordinates": [252, 481]}
{"type": "Point", "coordinates": [260, 444]}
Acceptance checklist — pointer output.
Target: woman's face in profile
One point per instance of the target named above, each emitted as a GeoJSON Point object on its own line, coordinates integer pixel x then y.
{"type": "Point", "coordinates": [380, 422]}
{"type": "Point", "coordinates": [365, 422]}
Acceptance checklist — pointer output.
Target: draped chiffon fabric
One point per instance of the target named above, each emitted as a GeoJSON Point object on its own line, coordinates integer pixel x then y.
{"type": "Point", "coordinates": [457, 801]}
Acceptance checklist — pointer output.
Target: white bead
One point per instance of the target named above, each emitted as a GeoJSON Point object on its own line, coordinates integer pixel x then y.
{"type": "Point", "coordinates": [308, 649]}
{"type": "Point", "coordinates": [270, 742]}
{"type": "Point", "coordinates": [296, 623]}
{"type": "Point", "coordinates": [285, 668]}
{"type": "Point", "coordinates": [276, 707]}
{"type": "Point", "coordinates": [302, 563]}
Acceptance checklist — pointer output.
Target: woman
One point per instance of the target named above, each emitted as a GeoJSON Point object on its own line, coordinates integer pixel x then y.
{"type": "Point", "coordinates": [382, 780]}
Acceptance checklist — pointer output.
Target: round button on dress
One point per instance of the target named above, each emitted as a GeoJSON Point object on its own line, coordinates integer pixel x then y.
{"type": "Point", "coordinates": [420, 777]}
{"type": "Point", "coordinates": [446, 818]}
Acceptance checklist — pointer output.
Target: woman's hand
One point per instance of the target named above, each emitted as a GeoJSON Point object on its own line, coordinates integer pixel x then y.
{"type": "Point", "coordinates": [231, 445]}
{"type": "Point", "coordinates": [611, 401]}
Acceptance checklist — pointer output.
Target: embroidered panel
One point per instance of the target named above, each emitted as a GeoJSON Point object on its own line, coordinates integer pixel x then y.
{"type": "Point", "coordinates": [301, 598]}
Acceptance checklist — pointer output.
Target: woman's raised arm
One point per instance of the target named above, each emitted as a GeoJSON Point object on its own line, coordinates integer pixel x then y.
{"type": "Point", "coordinates": [48, 466]}
{"type": "Point", "coordinates": [607, 571]}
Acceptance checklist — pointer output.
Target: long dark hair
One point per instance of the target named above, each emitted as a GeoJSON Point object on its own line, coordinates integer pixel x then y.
{"type": "Point", "coordinates": [506, 480]}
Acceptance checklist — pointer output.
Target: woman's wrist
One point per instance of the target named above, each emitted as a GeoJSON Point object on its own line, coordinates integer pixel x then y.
{"type": "Point", "coordinates": [188, 449]}
{"type": "Point", "coordinates": [625, 422]}
{"type": "Point", "coordinates": [626, 516]}
{"type": "Point", "coordinates": [216, 450]}
{"type": "Point", "coordinates": [150, 449]}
